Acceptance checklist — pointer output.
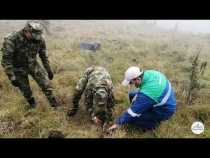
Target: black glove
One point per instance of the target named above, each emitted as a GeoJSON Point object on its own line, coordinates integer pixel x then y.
{"type": "Point", "coordinates": [15, 83]}
{"type": "Point", "coordinates": [50, 75]}
{"type": "Point", "coordinates": [72, 112]}
{"type": "Point", "coordinates": [102, 116]}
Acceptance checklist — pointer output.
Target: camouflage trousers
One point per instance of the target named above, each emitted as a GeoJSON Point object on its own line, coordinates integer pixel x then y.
{"type": "Point", "coordinates": [96, 104]}
{"type": "Point", "coordinates": [41, 79]}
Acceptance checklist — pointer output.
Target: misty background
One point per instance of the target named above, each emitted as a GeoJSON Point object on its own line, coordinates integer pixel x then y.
{"type": "Point", "coordinates": [190, 26]}
{"type": "Point", "coordinates": [185, 26]}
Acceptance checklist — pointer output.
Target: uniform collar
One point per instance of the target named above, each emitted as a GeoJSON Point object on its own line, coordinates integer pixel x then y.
{"type": "Point", "coordinates": [22, 36]}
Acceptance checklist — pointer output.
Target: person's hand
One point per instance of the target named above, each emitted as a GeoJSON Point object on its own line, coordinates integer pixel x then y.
{"type": "Point", "coordinates": [113, 127]}
{"type": "Point", "coordinates": [15, 83]}
{"type": "Point", "coordinates": [50, 75]}
{"type": "Point", "coordinates": [97, 121]}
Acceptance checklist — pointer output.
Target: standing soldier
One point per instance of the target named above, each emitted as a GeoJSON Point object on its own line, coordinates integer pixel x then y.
{"type": "Point", "coordinates": [19, 60]}
{"type": "Point", "coordinates": [99, 98]}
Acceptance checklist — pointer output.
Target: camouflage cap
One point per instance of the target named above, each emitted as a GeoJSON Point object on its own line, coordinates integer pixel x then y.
{"type": "Point", "coordinates": [35, 28]}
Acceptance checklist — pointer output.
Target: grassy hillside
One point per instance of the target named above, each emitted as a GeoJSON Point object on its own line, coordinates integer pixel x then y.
{"type": "Point", "coordinates": [123, 45]}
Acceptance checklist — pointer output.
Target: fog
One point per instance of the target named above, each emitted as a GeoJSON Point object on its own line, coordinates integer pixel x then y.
{"type": "Point", "coordinates": [190, 26]}
{"type": "Point", "coordinates": [193, 26]}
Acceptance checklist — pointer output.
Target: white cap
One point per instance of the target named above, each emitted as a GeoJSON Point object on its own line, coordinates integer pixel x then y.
{"type": "Point", "coordinates": [131, 73]}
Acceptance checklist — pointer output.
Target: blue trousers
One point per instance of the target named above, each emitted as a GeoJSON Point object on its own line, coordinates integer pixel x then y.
{"type": "Point", "coordinates": [151, 118]}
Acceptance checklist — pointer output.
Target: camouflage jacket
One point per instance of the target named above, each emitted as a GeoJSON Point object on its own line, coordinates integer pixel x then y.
{"type": "Point", "coordinates": [94, 78]}
{"type": "Point", "coordinates": [20, 53]}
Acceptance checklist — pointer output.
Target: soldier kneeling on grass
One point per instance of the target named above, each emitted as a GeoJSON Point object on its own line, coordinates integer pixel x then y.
{"type": "Point", "coordinates": [97, 85]}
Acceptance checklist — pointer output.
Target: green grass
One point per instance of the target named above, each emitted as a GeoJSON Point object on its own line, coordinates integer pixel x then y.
{"type": "Point", "coordinates": [122, 46]}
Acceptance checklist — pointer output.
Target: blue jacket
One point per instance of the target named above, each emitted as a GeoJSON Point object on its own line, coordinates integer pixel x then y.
{"type": "Point", "coordinates": [143, 103]}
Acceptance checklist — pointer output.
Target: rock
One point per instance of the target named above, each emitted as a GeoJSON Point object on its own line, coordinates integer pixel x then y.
{"type": "Point", "coordinates": [55, 134]}
{"type": "Point", "coordinates": [90, 46]}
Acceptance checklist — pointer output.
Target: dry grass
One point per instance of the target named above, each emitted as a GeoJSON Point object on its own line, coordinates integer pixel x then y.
{"type": "Point", "coordinates": [122, 46]}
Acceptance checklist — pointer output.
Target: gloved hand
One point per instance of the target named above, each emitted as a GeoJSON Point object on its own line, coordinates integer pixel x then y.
{"type": "Point", "coordinates": [75, 101]}
{"type": "Point", "coordinates": [15, 83]}
{"type": "Point", "coordinates": [50, 75]}
{"type": "Point", "coordinates": [97, 121]}
{"type": "Point", "coordinates": [72, 112]}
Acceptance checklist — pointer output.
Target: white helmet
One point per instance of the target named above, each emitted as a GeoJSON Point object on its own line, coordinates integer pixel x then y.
{"type": "Point", "coordinates": [131, 73]}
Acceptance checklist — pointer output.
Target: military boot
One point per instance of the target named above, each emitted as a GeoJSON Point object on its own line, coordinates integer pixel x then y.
{"type": "Point", "coordinates": [72, 111]}
{"type": "Point", "coordinates": [32, 103]}
{"type": "Point", "coordinates": [54, 102]}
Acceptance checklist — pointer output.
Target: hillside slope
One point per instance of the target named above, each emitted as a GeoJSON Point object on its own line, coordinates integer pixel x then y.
{"type": "Point", "coordinates": [123, 45]}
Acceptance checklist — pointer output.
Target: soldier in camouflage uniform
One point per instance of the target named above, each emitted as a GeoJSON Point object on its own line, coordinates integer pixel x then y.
{"type": "Point", "coordinates": [19, 60]}
{"type": "Point", "coordinates": [99, 98]}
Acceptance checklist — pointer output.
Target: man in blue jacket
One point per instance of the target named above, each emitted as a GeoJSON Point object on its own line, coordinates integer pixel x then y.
{"type": "Point", "coordinates": [153, 102]}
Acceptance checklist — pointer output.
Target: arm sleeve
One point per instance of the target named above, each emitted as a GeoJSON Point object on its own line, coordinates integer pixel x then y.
{"type": "Point", "coordinates": [44, 57]}
{"type": "Point", "coordinates": [141, 104]}
{"type": "Point", "coordinates": [7, 57]}
{"type": "Point", "coordinates": [81, 84]}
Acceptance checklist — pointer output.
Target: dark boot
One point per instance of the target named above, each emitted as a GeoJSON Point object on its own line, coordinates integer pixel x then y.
{"type": "Point", "coordinates": [54, 102]}
{"type": "Point", "coordinates": [56, 134]}
{"type": "Point", "coordinates": [71, 112]}
{"type": "Point", "coordinates": [32, 103]}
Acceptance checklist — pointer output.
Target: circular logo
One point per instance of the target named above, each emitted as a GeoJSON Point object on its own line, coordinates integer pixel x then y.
{"type": "Point", "coordinates": [197, 127]}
